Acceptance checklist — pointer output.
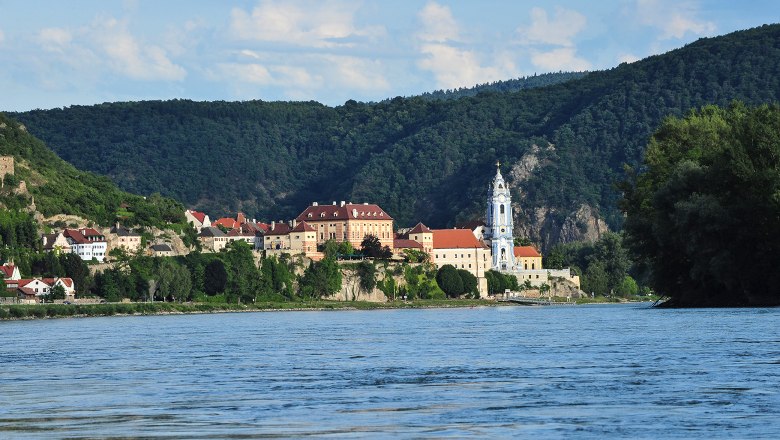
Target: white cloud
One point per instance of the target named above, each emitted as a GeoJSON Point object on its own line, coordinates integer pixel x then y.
{"type": "Point", "coordinates": [105, 45]}
{"type": "Point", "coordinates": [55, 39]}
{"type": "Point", "coordinates": [564, 58]}
{"type": "Point", "coordinates": [551, 41]}
{"type": "Point", "coordinates": [310, 24]}
{"type": "Point", "coordinates": [558, 31]}
{"type": "Point", "coordinates": [438, 24]}
{"type": "Point", "coordinates": [452, 63]}
{"type": "Point", "coordinates": [125, 55]}
{"type": "Point", "coordinates": [674, 19]}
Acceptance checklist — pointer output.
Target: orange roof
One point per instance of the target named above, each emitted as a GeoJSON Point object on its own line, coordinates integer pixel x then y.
{"type": "Point", "coordinates": [526, 251]}
{"type": "Point", "coordinates": [454, 239]}
{"type": "Point", "coordinates": [226, 222]}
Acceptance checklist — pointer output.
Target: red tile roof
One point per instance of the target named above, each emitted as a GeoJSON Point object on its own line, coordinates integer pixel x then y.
{"type": "Point", "coordinates": [400, 243]}
{"type": "Point", "coordinates": [303, 227]}
{"type": "Point", "coordinates": [90, 232]}
{"type": "Point", "coordinates": [346, 212]}
{"type": "Point", "coordinates": [226, 222]}
{"type": "Point", "coordinates": [199, 216]}
{"type": "Point", "coordinates": [8, 270]}
{"type": "Point", "coordinates": [279, 229]}
{"type": "Point", "coordinates": [455, 238]}
{"type": "Point", "coordinates": [526, 251]}
{"type": "Point", "coordinates": [420, 229]}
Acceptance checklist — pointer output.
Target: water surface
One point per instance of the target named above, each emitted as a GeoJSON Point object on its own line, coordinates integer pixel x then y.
{"type": "Point", "coordinates": [587, 371]}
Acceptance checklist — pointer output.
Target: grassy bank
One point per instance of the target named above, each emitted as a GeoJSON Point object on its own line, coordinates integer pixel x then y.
{"type": "Point", "coordinates": [83, 310]}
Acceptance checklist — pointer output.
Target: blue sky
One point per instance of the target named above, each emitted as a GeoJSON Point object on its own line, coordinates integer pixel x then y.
{"type": "Point", "coordinates": [60, 53]}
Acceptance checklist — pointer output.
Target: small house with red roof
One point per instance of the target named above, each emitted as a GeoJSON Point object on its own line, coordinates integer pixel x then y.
{"type": "Point", "coordinates": [87, 243]}
{"type": "Point", "coordinates": [34, 289]}
{"type": "Point", "coordinates": [10, 272]}
{"type": "Point", "coordinates": [198, 220]}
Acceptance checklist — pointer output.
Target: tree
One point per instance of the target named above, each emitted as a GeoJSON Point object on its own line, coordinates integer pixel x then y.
{"type": "Point", "coordinates": [627, 288]}
{"type": "Point", "coordinates": [76, 269]}
{"type": "Point", "coordinates": [215, 277]}
{"type": "Point", "coordinates": [320, 279]}
{"type": "Point", "coordinates": [470, 283]}
{"type": "Point", "coordinates": [174, 281]}
{"type": "Point", "coordinates": [372, 247]}
{"type": "Point", "coordinates": [449, 281]}
{"type": "Point", "coordinates": [704, 214]}
{"type": "Point", "coordinates": [56, 292]}
{"type": "Point", "coordinates": [596, 279]}
{"type": "Point", "coordinates": [367, 273]}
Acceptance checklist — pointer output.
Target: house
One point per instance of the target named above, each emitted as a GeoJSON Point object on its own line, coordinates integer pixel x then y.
{"type": "Point", "coordinates": [198, 220]}
{"type": "Point", "coordinates": [528, 258]}
{"type": "Point", "coordinates": [125, 238]}
{"type": "Point", "coordinates": [303, 238]}
{"type": "Point", "coordinates": [423, 235]}
{"type": "Point", "coordinates": [212, 239]}
{"type": "Point", "coordinates": [33, 290]}
{"type": "Point", "coordinates": [10, 272]}
{"type": "Point", "coordinates": [161, 250]}
{"type": "Point", "coordinates": [87, 243]}
{"type": "Point", "coordinates": [461, 249]}
{"type": "Point", "coordinates": [349, 222]}
{"type": "Point", "coordinates": [277, 237]}
{"type": "Point", "coordinates": [56, 243]}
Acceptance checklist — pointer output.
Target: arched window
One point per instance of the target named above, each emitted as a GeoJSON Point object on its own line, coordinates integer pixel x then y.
{"type": "Point", "coordinates": [502, 210]}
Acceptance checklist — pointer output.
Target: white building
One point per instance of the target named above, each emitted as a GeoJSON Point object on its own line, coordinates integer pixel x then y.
{"type": "Point", "coordinates": [87, 243]}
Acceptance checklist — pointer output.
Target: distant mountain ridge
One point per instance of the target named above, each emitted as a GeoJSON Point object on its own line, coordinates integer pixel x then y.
{"type": "Point", "coordinates": [506, 86]}
{"type": "Point", "coordinates": [420, 159]}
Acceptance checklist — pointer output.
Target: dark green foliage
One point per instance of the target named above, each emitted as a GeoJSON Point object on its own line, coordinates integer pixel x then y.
{"type": "Point", "coordinates": [499, 282]}
{"type": "Point", "coordinates": [276, 280]}
{"type": "Point", "coordinates": [59, 188]}
{"type": "Point", "coordinates": [421, 159]}
{"type": "Point", "coordinates": [603, 265]}
{"type": "Point", "coordinates": [371, 247]}
{"type": "Point", "coordinates": [704, 214]}
{"type": "Point", "coordinates": [366, 271]}
{"type": "Point", "coordinates": [18, 230]}
{"type": "Point", "coordinates": [215, 277]}
{"type": "Point", "coordinates": [243, 274]}
{"type": "Point", "coordinates": [321, 279]}
{"type": "Point", "coordinates": [512, 85]}
{"type": "Point", "coordinates": [450, 281]}
{"type": "Point", "coordinates": [470, 283]}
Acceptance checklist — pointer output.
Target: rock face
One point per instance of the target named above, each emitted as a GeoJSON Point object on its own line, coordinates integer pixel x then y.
{"type": "Point", "coordinates": [544, 226]}
{"type": "Point", "coordinates": [351, 291]}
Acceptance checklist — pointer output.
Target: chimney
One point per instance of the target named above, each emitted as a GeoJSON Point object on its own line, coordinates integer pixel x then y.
{"type": "Point", "coordinates": [343, 203]}
{"type": "Point", "coordinates": [314, 203]}
{"type": "Point", "coordinates": [273, 225]}
{"type": "Point", "coordinates": [334, 203]}
{"type": "Point", "coordinates": [294, 223]}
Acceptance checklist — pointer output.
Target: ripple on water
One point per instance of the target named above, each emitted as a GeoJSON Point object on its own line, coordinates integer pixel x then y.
{"type": "Point", "coordinates": [601, 371]}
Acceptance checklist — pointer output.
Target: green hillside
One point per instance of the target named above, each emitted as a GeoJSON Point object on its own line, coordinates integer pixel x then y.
{"type": "Point", "coordinates": [419, 158]}
{"type": "Point", "coordinates": [56, 187]}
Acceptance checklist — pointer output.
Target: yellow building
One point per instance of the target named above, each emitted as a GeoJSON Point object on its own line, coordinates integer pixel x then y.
{"type": "Point", "coordinates": [461, 249]}
{"type": "Point", "coordinates": [349, 222]}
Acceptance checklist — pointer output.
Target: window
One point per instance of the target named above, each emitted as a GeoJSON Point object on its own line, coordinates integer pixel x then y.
{"type": "Point", "coordinates": [533, 266]}
{"type": "Point", "coordinates": [526, 266]}
{"type": "Point", "coordinates": [501, 209]}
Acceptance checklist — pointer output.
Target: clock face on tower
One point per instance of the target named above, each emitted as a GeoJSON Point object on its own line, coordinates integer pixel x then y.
{"type": "Point", "coordinates": [501, 198]}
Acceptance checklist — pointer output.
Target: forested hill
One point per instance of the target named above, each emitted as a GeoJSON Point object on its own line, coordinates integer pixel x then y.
{"type": "Point", "coordinates": [510, 85]}
{"type": "Point", "coordinates": [420, 159]}
{"type": "Point", "coordinates": [56, 187]}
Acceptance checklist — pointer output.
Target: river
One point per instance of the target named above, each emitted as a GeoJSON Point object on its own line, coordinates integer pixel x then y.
{"type": "Point", "coordinates": [577, 372]}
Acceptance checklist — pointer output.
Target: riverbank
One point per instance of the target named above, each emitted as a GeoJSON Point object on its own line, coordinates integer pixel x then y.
{"type": "Point", "coordinates": [41, 311]}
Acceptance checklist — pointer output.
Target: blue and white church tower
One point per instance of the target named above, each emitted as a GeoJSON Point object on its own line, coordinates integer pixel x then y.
{"type": "Point", "coordinates": [499, 224]}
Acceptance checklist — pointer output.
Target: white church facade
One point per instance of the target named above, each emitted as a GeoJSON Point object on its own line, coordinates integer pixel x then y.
{"type": "Point", "coordinates": [524, 262]}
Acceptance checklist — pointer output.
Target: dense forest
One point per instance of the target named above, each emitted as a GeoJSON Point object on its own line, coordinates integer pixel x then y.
{"type": "Point", "coordinates": [419, 158]}
{"type": "Point", "coordinates": [57, 187]}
